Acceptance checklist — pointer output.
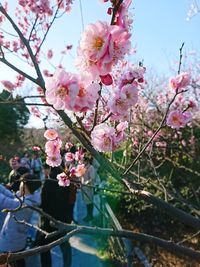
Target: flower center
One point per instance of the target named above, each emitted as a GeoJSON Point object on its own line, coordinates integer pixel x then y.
{"type": "Point", "coordinates": [98, 43]}
{"type": "Point", "coordinates": [82, 92]}
{"type": "Point", "coordinates": [62, 92]}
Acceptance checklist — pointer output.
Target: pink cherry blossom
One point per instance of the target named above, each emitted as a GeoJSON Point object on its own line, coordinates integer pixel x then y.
{"type": "Point", "coordinates": [50, 134]}
{"type": "Point", "coordinates": [106, 79]}
{"type": "Point", "coordinates": [79, 155]}
{"type": "Point", "coordinates": [68, 145]}
{"type": "Point", "coordinates": [49, 54]}
{"type": "Point", "coordinates": [80, 170]}
{"type": "Point", "coordinates": [54, 160]}
{"type": "Point", "coordinates": [132, 73]}
{"type": "Point", "coordinates": [102, 46]}
{"type": "Point", "coordinates": [69, 156]}
{"type": "Point", "coordinates": [103, 137]}
{"type": "Point", "coordinates": [9, 86]}
{"type": "Point", "coordinates": [63, 179]}
{"type": "Point", "coordinates": [180, 81]}
{"type": "Point", "coordinates": [177, 119]}
{"type": "Point", "coordinates": [62, 89]}
{"type": "Point", "coordinates": [53, 147]}
{"type": "Point", "coordinates": [87, 96]}
{"type": "Point", "coordinates": [131, 92]}
{"type": "Point", "coordinates": [118, 104]}
{"type": "Point", "coordinates": [122, 126]}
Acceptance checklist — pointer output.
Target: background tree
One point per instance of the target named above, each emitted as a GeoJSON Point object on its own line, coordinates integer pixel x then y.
{"type": "Point", "coordinates": [12, 117]}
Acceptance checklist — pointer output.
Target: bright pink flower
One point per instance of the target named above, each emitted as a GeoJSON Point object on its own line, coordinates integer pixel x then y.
{"type": "Point", "coordinates": [63, 179]}
{"type": "Point", "coordinates": [69, 156]}
{"type": "Point", "coordinates": [102, 46]}
{"type": "Point", "coordinates": [50, 134]}
{"type": "Point", "coordinates": [87, 96]}
{"type": "Point", "coordinates": [103, 137]}
{"type": "Point", "coordinates": [54, 160]}
{"type": "Point", "coordinates": [131, 93]}
{"type": "Point", "coordinates": [9, 86]}
{"type": "Point", "coordinates": [106, 79]}
{"type": "Point", "coordinates": [80, 170]}
{"type": "Point", "coordinates": [79, 155]}
{"type": "Point", "coordinates": [68, 145]}
{"type": "Point", "coordinates": [180, 81]}
{"type": "Point", "coordinates": [176, 119]}
{"type": "Point", "coordinates": [49, 54]}
{"type": "Point", "coordinates": [53, 147]}
{"type": "Point", "coordinates": [118, 104]}
{"type": "Point", "coordinates": [62, 89]}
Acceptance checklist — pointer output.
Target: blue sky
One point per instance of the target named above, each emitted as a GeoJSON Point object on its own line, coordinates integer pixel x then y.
{"type": "Point", "coordinates": [159, 29]}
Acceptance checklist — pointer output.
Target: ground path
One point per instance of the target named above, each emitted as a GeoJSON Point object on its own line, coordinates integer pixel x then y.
{"type": "Point", "coordinates": [84, 247]}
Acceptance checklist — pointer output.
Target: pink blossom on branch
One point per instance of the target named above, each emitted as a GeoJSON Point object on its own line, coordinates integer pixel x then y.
{"type": "Point", "coordinates": [106, 79]}
{"type": "Point", "coordinates": [9, 86]}
{"type": "Point", "coordinates": [65, 91]}
{"type": "Point", "coordinates": [177, 119]}
{"type": "Point", "coordinates": [61, 90]}
{"type": "Point", "coordinates": [54, 160]}
{"type": "Point", "coordinates": [63, 179]}
{"type": "Point", "coordinates": [101, 47]}
{"type": "Point", "coordinates": [79, 170]}
{"type": "Point", "coordinates": [69, 157]}
{"type": "Point", "coordinates": [103, 137]}
{"type": "Point", "coordinates": [51, 134]}
{"type": "Point", "coordinates": [53, 147]}
{"type": "Point", "coordinates": [180, 81]}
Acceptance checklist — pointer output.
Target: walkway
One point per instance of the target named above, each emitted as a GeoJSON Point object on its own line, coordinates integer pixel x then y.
{"type": "Point", "coordinates": [84, 247]}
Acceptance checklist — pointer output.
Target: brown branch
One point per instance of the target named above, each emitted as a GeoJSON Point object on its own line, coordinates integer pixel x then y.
{"type": "Point", "coordinates": [153, 136]}
{"type": "Point", "coordinates": [74, 229]}
{"type": "Point", "coordinates": [40, 79]}
{"type": "Point", "coordinates": [37, 250]}
{"type": "Point", "coordinates": [4, 61]}
{"type": "Point", "coordinates": [180, 58]}
{"type": "Point", "coordinates": [115, 10]}
{"type": "Point", "coordinates": [183, 216]}
{"type": "Point", "coordinates": [13, 103]}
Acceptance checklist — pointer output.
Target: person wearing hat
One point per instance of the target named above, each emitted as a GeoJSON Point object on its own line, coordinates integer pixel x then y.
{"type": "Point", "coordinates": [13, 234]}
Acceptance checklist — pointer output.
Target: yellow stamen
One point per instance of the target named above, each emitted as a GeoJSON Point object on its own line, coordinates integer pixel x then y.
{"type": "Point", "coordinates": [98, 43]}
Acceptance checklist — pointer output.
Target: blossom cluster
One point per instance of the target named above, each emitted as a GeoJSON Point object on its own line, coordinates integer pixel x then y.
{"type": "Point", "coordinates": [66, 91]}
{"type": "Point", "coordinates": [54, 158]}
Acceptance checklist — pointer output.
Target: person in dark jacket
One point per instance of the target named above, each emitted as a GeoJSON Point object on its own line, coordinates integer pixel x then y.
{"type": "Point", "coordinates": [55, 202]}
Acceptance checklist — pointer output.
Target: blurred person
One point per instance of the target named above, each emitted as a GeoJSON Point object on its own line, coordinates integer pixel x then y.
{"type": "Point", "coordinates": [25, 160]}
{"type": "Point", "coordinates": [15, 173]}
{"type": "Point", "coordinates": [36, 164]}
{"type": "Point", "coordinates": [87, 185]}
{"type": "Point", "coordinates": [55, 201]}
{"type": "Point", "coordinates": [13, 234]}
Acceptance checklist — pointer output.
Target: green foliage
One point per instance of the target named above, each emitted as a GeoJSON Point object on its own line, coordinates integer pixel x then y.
{"type": "Point", "coordinates": [12, 117]}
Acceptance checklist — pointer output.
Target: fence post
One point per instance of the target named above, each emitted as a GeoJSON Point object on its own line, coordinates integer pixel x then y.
{"type": "Point", "coordinates": [102, 205]}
